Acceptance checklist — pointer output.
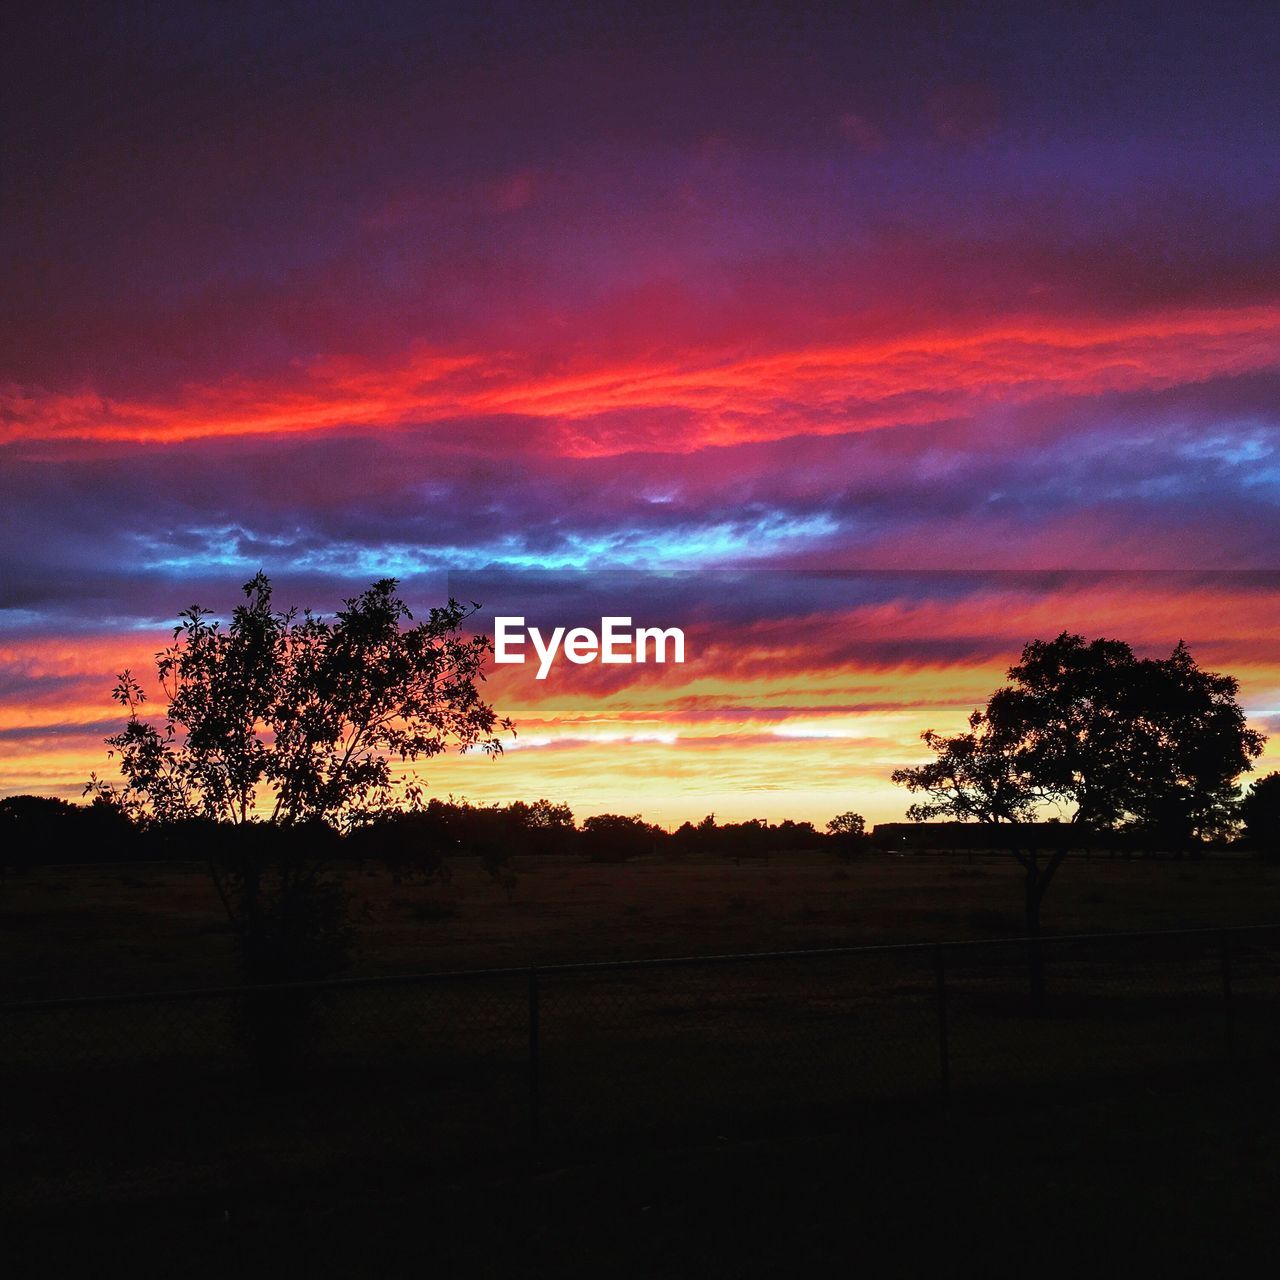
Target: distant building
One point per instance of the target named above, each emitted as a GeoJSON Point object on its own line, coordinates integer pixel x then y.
{"type": "Point", "coordinates": [997, 837]}
{"type": "Point", "coordinates": [967, 836]}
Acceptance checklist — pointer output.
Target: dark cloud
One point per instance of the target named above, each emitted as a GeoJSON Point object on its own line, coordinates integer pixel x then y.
{"type": "Point", "coordinates": [124, 534]}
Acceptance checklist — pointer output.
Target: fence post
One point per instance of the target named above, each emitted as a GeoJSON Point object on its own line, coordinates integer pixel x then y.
{"type": "Point", "coordinates": [1228, 1012]}
{"type": "Point", "coordinates": [535, 1104]}
{"type": "Point", "coordinates": [940, 991]}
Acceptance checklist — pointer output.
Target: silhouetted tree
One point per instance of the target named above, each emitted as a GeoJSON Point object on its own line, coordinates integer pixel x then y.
{"type": "Point", "coordinates": [789, 834]}
{"type": "Point", "coordinates": [612, 837]}
{"type": "Point", "coordinates": [412, 843]}
{"type": "Point", "coordinates": [754, 838]}
{"type": "Point", "coordinates": [1152, 745]}
{"type": "Point", "coordinates": [1192, 743]}
{"type": "Point", "coordinates": [983, 775]}
{"type": "Point", "coordinates": [539, 827]}
{"type": "Point", "coordinates": [306, 710]}
{"type": "Point", "coordinates": [703, 838]}
{"type": "Point", "coordinates": [847, 824]}
{"type": "Point", "coordinates": [420, 840]}
{"type": "Point", "coordinates": [849, 831]}
{"type": "Point", "coordinates": [289, 722]}
{"type": "Point", "coordinates": [38, 830]}
{"type": "Point", "coordinates": [1260, 810]}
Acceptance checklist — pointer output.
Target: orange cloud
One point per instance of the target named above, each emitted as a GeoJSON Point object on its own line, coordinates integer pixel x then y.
{"type": "Point", "coordinates": [797, 717]}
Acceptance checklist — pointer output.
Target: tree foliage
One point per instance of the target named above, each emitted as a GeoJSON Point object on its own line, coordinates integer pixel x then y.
{"type": "Point", "coordinates": [279, 730]}
{"type": "Point", "coordinates": [292, 717]}
{"type": "Point", "coordinates": [848, 831]}
{"type": "Point", "coordinates": [847, 824]}
{"type": "Point", "coordinates": [1087, 728]}
{"type": "Point", "coordinates": [613, 837]}
{"type": "Point", "coordinates": [1260, 810]}
{"type": "Point", "coordinates": [35, 829]}
{"type": "Point", "coordinates": [754, 838]}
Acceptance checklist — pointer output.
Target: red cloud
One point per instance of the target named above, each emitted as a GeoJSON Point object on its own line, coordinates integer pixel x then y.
{"type": "Point", "coordinates": [716, 396]}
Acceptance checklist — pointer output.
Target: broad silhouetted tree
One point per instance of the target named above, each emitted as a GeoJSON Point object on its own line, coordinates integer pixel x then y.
{"type": "Point", "coordinates": [288, 717]}
{"type": "Point", "coordinates": [1151, 745]}
{"type": "Point", "coordinates": [285, 724]}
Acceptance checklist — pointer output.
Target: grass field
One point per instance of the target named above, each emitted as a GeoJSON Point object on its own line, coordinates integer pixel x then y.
{"type": "Point", "coordinates": [88, 929]}
{"type": "Point", "coordinates": [150, 1108]}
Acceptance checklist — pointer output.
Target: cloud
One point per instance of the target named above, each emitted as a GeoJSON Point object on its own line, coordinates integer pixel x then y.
{"type": "Point", "coordinates": [619, 290]}
{"type": "Point", "coordinates": [709, 397]}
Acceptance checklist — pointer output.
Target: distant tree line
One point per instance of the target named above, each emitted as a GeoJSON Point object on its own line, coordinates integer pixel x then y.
{"type": "Point", "coordinates": [426, 840]}
{"type": "Point", "coordinates": [420, 841]}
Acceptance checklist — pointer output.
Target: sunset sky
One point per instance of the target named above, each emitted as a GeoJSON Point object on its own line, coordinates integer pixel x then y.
{"type": "Point", "coordinates": [798, 309]}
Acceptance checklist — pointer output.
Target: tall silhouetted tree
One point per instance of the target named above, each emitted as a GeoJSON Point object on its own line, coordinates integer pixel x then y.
{"type": "Point", "coordinates": [290, 721]}
{"type": "Point", "coordinates": [288, 717]}
{"type": "Point", "coordinates": [1153, 745]}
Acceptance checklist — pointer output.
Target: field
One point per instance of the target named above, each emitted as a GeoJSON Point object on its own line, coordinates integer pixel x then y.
{"type": "Point", "coordinates": [83, 929]}
{"type": "Point", "coordinates": [412, 1104]}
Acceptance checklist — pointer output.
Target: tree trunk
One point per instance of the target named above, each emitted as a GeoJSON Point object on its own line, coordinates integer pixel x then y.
{"type": "Point", "coordinates": [1035, 887]}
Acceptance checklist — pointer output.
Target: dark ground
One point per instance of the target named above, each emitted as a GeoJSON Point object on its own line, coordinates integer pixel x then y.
{"type": "Point", "coordinates": [1178, 1177]}
{"type": "Point", "coordinates": [1172, 1167]}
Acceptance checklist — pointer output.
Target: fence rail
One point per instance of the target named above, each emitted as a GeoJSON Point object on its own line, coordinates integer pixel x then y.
{"type": "Point", "coordinates": [211, 1089]}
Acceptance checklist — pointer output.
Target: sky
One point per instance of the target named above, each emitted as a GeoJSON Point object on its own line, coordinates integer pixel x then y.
{"type": "Point", "coordinates": [869, 341]}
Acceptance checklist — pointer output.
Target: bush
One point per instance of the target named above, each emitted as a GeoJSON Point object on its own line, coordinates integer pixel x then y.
{"type": "Point", "coordinates": [610, 837]}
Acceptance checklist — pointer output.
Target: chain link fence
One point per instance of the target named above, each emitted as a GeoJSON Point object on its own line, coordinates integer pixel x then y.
{"type": "Point", "coordinates": [218, 1094]}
